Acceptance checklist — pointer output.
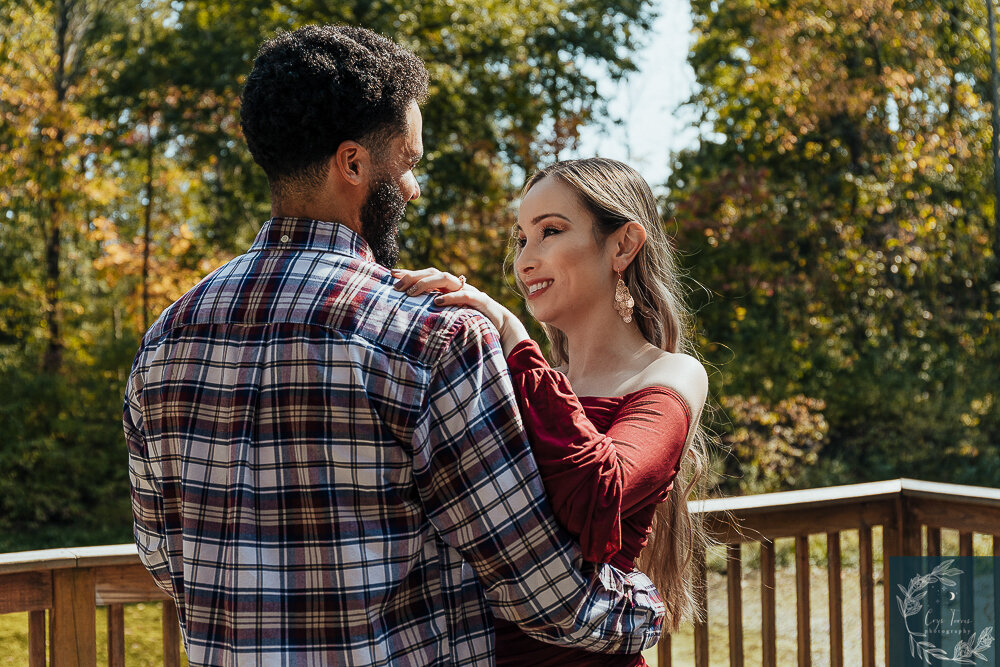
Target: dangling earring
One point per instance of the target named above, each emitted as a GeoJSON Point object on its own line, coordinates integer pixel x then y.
{"type": "Point", "coordinates": [623, 300]}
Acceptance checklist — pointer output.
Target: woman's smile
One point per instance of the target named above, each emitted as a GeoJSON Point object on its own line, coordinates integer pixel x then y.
{"type": "Point", "coordinates": [536, 288]}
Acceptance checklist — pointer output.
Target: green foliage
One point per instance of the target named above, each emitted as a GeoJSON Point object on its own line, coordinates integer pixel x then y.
{"type": "Point", "coordinates": [839, 207]}
{"type": "Point", "coordinates": [773, 445]}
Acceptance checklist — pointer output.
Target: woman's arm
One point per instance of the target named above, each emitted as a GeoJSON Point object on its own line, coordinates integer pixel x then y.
{"type": "Point", "coordinates": [591, 478]}
{"type": "Point", "coordinates": [594, 478]}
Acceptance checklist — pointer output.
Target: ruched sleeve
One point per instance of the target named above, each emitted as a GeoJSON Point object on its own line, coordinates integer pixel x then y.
{"type": "Point", "coordinates": [593, 478]}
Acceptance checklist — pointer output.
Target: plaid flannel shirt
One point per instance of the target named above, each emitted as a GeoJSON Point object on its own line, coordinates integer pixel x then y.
{"type": "Point", "coordinates": [325, 471]}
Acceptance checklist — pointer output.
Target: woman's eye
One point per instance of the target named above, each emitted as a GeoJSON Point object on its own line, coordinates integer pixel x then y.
{"type": "Point", "coordinates": [549, 231]}
{"type": "Point", "coordinates": [521, 240]}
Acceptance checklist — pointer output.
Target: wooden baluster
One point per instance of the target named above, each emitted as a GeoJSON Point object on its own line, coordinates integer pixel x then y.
{"type": "Point", "coordinates": [664, 656]}
{"type": "Point", "coordinates": [836, 604]}
{"type": "Point", "coordinates": [966, 589]}
{"type": "Point", "coordinates": [36, 639]}
{"type": "Point", "coordinates": [73, 628]}
{"type": "Point", "coordinates": [964, 543]}
{"type": "Point", "coordinates": [767, 621]}
{"type": "Point", "coordinates": [802, 599]}
{"type": "Point", "coordinates": [909, 529]}
{"type": "Point", "coordinates": [933, 541]}
{"type": "Point", "coordinates": [867, 597]}
{"type": "Point", "coordinates": [116, 636]}
{"type": "Point", "coordinates": [996, 576]}
{"type": "Point", "coordinates": [171, 635]}
{"type": "Point", "coordinates": [701, 599]}
{"type": "Point", "coordinates": [934, 596]}
{"type": "Point", "coordinates": [734, 590]}
{"type": "Point", "coordinates": [891, 546]}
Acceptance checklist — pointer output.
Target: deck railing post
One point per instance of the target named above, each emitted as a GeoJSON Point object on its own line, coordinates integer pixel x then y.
{"type": "Point", "coordinates": [116, 636]}
{"type": "Point", "coordinates": [836, 606]}
{"type": "Point", "coordinates": [171, 635]}
{"type": "Point", "coordinates": [734, 588]}
{"type": "Point", "coordinates": [767, 603]}
{"type": "Point", "coordinates": [36, 638]}
{"type": "Point", "coordinates": [73, 622]}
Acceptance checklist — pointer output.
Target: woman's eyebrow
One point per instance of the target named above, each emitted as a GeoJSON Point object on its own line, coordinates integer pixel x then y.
{"type": "Point", "coordinates": [539, 218]}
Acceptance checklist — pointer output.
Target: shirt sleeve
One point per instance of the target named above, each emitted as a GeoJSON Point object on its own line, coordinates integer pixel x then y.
{"type": "Point", "coordinates": [594, 478]}
{"type": "Point", "coordinates": [147, 499]}
{"type": "Point", "coordinates": [480, 487]}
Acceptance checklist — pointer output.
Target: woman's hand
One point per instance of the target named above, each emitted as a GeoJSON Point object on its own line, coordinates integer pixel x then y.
{"type": "Point", "coordinates": [456, 292]}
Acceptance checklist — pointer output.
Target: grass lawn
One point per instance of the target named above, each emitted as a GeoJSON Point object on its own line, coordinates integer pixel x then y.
{"type": "Point", "coordinates": [142, 621]}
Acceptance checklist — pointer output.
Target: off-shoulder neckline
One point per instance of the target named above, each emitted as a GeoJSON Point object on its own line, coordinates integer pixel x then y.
{"type": "Point", "coordinates": [645, 390]}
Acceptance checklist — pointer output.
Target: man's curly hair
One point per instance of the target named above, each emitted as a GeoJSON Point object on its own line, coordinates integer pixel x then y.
{"type": "Point", "coordinates": [314, 88]}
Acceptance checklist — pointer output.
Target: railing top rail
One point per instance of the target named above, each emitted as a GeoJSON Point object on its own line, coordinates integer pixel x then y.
{"type": "Point", "coordinates": [57, 559]}
{"type": "Point", "coordinates": [865, 492]}
{"type": "Point", "coordinates": [804, 499]}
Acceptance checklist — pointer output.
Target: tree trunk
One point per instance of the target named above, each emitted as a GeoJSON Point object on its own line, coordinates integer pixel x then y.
{"type": "Point", "coordinates": [995, 145]}
{"type": "Point", "coordinates": [147, 224]}
{"type": "Point", "coordinates": [52, 360]}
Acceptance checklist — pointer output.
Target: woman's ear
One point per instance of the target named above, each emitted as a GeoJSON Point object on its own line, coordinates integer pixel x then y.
{"type": "Point", "coordinates": [628, 239]}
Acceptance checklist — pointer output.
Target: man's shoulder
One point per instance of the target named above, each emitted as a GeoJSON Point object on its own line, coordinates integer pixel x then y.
{"type": "Point", "coordinates": [344, 297]}
{"type": "Point", "coordinates": [428, 332]}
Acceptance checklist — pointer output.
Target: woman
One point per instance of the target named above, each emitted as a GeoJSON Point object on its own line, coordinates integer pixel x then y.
{"type": "Point", "coordinates": [612, 424]}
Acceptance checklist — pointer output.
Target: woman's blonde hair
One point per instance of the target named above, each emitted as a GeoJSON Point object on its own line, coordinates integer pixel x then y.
{"type": "Point", "coordinates": [615, 194]}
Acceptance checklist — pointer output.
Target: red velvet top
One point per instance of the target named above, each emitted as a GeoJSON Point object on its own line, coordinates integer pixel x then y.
{"type": "Point", "coordinates": [606, 463]}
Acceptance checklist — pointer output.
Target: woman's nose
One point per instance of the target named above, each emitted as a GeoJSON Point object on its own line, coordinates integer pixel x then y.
{"type": "Point", "coordinates": [524, 265]}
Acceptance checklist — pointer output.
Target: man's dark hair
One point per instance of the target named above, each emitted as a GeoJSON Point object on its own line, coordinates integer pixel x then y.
{"type": "Point", "coordinates": [312, 89]}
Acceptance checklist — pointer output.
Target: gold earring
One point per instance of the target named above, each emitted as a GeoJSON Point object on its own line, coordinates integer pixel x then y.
{"type": "Point", "coordinates": [623, 300]}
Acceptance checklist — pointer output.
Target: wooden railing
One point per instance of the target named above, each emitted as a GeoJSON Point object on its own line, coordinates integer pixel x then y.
{"type": "Point", "coordinates": [70, 584]}
{"type": "Point", "coordinates": [904, 508]}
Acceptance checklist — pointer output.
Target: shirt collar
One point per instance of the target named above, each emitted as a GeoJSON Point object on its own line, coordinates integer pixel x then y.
{"type": "Point", "coordinates": [306, 234]}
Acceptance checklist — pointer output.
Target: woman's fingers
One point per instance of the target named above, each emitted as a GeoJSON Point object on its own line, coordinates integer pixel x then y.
{"type": "Point", "coordinates": [427, 280]}
{"type": "Point", "coordinates": [405, 278]}
{"type": "Point", "coordinates": [463, 297]}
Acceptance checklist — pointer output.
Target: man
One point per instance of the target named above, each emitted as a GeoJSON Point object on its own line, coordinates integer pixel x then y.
{"type": "Point", "coordinates": [324, 471]}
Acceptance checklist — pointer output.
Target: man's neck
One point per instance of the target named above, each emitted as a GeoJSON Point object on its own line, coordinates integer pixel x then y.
{"type": "Point", "coordinates": [312, 213]}
{"type": "Point", "coordinates": [313, 210]}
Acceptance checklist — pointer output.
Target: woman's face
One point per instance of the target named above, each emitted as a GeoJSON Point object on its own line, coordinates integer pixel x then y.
{"type": "Point", "coordinates": [563, 270]}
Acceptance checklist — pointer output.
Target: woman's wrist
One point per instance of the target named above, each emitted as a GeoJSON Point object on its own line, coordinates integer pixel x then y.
{"type": "Point", "coordinates": [512, 332]}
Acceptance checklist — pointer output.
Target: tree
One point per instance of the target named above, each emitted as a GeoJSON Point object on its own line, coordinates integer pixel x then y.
{"type": "Point", "coordinates": [124, 179]}
{"type": "Point", "coordinates": [839, 205]}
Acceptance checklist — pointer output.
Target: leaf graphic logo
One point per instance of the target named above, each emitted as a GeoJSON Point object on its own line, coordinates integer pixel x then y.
{"type": "Point", "coordinates": [967, 652]}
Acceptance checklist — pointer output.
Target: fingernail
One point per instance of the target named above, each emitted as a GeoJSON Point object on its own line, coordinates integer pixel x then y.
{"type": "Point", "coordinates": [438, 300]}
{"type": "Point", "coordinates": [398, 285]}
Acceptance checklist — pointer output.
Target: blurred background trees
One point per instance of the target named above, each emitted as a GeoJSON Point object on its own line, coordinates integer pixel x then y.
{"type": "Point", "coordinates": [837, 209]}
{"type": "Point", "coordinates": [840, 207]}
{"type": "Point", "coordinates": [124, 178]}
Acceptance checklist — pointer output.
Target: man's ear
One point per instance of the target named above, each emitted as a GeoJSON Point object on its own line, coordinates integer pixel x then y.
{"type": "Point", "coordinates": [628, 240]}
{"type": "Point", "coordinates": [352, 162]}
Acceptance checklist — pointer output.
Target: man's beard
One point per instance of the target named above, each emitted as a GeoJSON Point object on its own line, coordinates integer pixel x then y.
{"type": "Point", "coordinates": [380, 215]}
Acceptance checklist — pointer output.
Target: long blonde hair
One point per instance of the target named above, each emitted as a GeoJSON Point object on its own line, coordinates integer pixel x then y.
{"type": "Point", "coordinates": [616, 194]}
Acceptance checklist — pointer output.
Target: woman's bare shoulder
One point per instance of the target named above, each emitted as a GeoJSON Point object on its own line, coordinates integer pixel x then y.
{"type": "Point", "coordinates": [680, 372]}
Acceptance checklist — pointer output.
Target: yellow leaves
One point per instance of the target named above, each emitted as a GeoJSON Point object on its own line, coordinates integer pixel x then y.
{"type": "Point", "coordinates": [179, 247]}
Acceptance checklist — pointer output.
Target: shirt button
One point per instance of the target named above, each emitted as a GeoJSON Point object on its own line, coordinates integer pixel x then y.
{"type": "Point", "coordinates": [284, 238]}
